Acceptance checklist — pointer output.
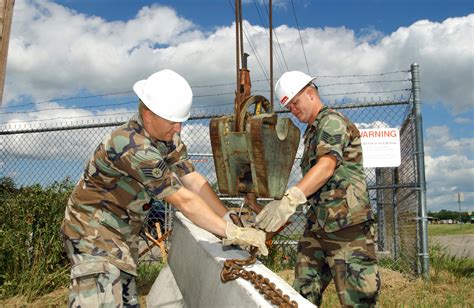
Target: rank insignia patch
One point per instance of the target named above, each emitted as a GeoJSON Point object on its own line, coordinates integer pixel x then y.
{"type": "Point", "coordinates": [156, 172]}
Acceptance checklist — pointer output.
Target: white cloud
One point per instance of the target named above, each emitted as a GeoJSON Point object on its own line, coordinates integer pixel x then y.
{"type": "Point", "coordinates": [463, 120]}
{"type": "Point", "coordinates": [446, 57]}
{"type": "Point", "coordinates": [55, 52]}
{"type": "Point", "coordinates": [440, 141]}
{"type": "Point", "coordinates": [375, 124]}
{"type": "Point", "coordinates": [442, 174]}
{"type": "Point", "coordinates": [449, 168]}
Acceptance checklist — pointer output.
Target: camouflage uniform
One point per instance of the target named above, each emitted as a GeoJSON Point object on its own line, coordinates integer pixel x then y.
{"type": "Point", "coordinates": [338, 240]}
{"type": "Point", "coordinates": [106, 210]}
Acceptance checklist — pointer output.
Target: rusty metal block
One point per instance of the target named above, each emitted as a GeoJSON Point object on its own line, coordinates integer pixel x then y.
{"type": "Point", "coordinates": [256, 160]}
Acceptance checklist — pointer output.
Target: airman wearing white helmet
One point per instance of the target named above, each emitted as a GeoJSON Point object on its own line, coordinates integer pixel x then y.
{"type": "Point", "coordinates": [144, 158]}
{"type": "Point", "coordinates": [338, 239]}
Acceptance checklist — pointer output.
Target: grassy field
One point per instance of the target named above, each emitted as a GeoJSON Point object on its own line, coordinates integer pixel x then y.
{"type": "Point", "coordinates": [438, 230]}
{"type": "Point", "coordinates": [446, 290]}
{"type": "Point", "coordinates": [443, 290]}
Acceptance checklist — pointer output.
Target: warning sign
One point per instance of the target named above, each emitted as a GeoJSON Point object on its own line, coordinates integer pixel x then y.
{"type": "Point", "coordinates": [381, 147]}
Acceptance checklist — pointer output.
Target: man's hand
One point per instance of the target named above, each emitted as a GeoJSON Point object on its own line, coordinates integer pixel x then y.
{"type": "Point", "coordinates": [245, 237]}
{"type": "Point", "coordinates": [277, 212]}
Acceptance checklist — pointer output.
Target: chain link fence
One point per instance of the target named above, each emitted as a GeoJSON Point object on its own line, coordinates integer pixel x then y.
{"type": "Point", "coordinates": [43, 154]}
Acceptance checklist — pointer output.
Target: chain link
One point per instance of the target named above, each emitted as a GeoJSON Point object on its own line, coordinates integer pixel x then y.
{"type": "Point", "coordinates": [234, 268]}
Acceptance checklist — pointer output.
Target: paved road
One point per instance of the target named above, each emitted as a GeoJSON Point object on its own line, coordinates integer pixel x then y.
{"type": "Point", "coordinates": [457, 245]}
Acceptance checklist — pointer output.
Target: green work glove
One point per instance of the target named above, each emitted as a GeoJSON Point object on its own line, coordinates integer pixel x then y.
{"type": "Point", "coordinates": [276, 213]}
{"type": "Point", "coordinates": [245, 237]}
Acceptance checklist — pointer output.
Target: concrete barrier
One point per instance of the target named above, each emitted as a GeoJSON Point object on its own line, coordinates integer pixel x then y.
{"type": "Point", "coordinates": [192, 278]}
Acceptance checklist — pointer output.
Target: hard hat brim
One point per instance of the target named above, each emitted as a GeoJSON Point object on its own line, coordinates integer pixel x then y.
{"type": "Point", "coordinates": [288, 100]}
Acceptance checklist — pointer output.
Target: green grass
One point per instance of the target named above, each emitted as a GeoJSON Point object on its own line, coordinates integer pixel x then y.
{"type": "Point", "coordinates": [440, 261]}
{"type": "Point", "coordinates": [450, 285]}
{"type": "Point", "coordinates": [147, 274]}
{"type": "Point", "coordinates": [455, 229]}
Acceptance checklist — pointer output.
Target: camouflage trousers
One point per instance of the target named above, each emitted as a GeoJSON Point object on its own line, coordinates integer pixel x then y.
{"type": "Point", "coordinates": [95, 282]}
{"type": "Point", "coordinates": [347, 256]}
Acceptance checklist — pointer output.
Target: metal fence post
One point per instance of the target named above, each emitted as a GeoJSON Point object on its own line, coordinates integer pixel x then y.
{"type": "Point", "coordinates": [395, 227]}
{"type": "Point", "coordinates": [420, 159]}
{"type": "Point", "coordinates": [380, 212]}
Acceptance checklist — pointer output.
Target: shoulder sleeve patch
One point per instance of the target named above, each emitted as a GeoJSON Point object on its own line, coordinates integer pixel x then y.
{"type": "Point", "coordinates": [157, 171]}
{"type": "Point", "coordinates": [331, 139]}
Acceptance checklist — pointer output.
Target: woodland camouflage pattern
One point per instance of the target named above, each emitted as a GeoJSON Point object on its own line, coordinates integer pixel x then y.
{"type": "Point", "coordinates": [348, 256]}
{"type": "Point", "coordinates": [343, 201]}
{"type": "Point", "coordinates": [104, 286]}
{"type": "Point", "coordinates": [338, 241]}
{"type": "Point", "coordinates": [107, 207]}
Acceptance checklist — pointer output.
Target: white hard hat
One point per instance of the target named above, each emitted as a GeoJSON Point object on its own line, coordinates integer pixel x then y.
{"type": "Point", "coordinates": [289, 84]}
{"type": "Point", "coordinates": [167, 94]}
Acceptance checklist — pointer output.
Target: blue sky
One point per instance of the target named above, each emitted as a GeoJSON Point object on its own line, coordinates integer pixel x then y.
{"type": "Point", "coordinates": [384, 15]}
{"type": "Point", "coordinates": [71, 48]}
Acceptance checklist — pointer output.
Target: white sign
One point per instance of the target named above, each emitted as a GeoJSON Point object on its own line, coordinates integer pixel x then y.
{"type": "Point", "coordinates": [380, 147]}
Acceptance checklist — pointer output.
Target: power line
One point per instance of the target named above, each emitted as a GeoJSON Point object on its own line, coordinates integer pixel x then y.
{"type": "Point", "coordinates": [301, 39]}
{"type": "Point", "coordinates": [276, 36]}
{"type": "Point", "coordinates": [251, 45]}
{"type": "Point", "coordinates": [265, 27]}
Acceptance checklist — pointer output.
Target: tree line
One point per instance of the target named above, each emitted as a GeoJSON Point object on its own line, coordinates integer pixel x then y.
{"type": "Point", "coordinates": [454, 215]}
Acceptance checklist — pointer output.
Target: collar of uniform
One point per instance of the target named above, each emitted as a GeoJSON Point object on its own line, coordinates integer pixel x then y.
{"type": "Point", "coordinates": [311, 127]}
{"type": "Point", "coordinates": [138, 119]}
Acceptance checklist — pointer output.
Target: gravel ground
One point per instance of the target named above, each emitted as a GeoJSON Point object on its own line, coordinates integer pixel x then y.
{"type": "Point", "coordinates": [457, 245]}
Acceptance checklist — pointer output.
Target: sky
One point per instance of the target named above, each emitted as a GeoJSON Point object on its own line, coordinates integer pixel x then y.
{"type": "Point", "coordinates": [71, 48]}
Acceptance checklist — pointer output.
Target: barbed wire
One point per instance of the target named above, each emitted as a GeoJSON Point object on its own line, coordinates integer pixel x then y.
{"type": "Point", "coordinates": [367, 92]}
{"type": "Point", "coordinates": [68, 118]}
{"type": "Point", "coordinates": [363, 75]}
{"type": "Point", "coordinates": [196, 96]}
{"type": "Point", "coordinates": [362, 82]}
{"type": "Point", "coordinates": [71, 108]}
{"type": "Point", "coordinates": [194, 107]}
{"type": "Point", "coordinates": [67, 99]}
{"type": "Point", "coordinates": [222, 84]}
{"type": "Point", "coordinates": [200, 109]}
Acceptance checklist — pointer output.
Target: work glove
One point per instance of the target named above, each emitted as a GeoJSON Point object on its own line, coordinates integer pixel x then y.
{"type": "Point", "coordinates": [276, 213]}
{"type": "Point", "coordinates": [245, 237]}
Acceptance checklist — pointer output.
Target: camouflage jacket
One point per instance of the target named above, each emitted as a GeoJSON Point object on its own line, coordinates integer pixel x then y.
{"type": "Point", "coordinates": [343, 201]}
{"type": "Point", "coordinates": [107, 207]}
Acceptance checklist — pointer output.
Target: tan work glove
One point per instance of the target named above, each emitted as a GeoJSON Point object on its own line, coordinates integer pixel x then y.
{"type": "Point", "coordinates": [245, 237]}
{"type": "Point", "coordinates": [276, 213]}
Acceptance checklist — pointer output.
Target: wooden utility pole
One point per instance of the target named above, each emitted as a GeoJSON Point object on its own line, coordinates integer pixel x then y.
{"type": "Point", "coordinates": [6, 12]}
